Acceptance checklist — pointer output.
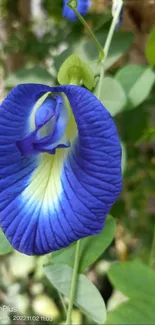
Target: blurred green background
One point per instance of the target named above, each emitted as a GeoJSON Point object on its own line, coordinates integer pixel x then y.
{"type": "Point", "coordinates": [34, 42]}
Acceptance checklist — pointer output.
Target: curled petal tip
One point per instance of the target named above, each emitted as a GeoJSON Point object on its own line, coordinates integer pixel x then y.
{"type": "Point", "coordinates": [63, 190]}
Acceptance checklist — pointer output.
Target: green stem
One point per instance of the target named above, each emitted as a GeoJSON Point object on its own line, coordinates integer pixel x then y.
{"type": "Point", "coordinates": [152, 254]}
{"type": "Point", "coordinates": [107, 45]}
{"type": "Point", "coordinates": [84, 23]}
{"type": "Point", "coordinates": [73, 284]}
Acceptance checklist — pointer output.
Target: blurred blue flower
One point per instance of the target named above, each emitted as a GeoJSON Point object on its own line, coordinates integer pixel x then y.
{"type": "Point", "coordinates": [60, 166]}
{"type": "Point", "coordinates": [114, 10]}
{"type": "Point", "coordinates": [82, 8]}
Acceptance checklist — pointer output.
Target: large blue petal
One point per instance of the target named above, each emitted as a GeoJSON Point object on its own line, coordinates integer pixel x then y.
{"type": "Point", "coordinates": [49, 201]}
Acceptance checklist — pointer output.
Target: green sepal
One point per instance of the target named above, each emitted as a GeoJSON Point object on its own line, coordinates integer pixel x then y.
{"type": "Point", "coordinates": [75, 71]}
{"type": "Point", "coordinates": [72, 4]}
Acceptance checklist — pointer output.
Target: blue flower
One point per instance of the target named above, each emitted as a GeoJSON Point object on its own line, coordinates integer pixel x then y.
{"type": "Point", "coordinates": [115, 4]}
{"type": "Point", "coordinates": [60, 166]}
{"type": "Point", "coordinates": [82, 7]}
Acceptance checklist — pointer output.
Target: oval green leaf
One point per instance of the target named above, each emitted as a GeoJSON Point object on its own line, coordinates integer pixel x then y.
{"type": "Point", "coordinates": [133, 279]}
{"type": "Point", "coordinates": [137, 82]}
{"type": "Point", "coordinates": [87, 299]}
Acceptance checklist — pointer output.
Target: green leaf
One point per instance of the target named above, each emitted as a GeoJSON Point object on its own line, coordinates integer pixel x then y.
{"type": "Point", "coordinates": [112, 95]}
{"type": "Point", "coordinates": [128, 75]}
{"type": "Point", "coordinates": [74, 69]}
{"type": "Point", "coordinates": [29, 75]}
{"type": "Point", "coordinates": [137, 82]}
{"type": "Point", "coordinates": [88, 298]}
{"type": "Point", "coordinates": [140, 91]}
{"type": "Point", "coordinates": [5, 246]}
{"type": "Point", "coordinates": [133, 312]}
{"type": "Point", "coordinates": [150, 48]}
{"type": "Point", "coordinates": [133, 279]}
{"type": "Point", "coordinates": [91, 247]}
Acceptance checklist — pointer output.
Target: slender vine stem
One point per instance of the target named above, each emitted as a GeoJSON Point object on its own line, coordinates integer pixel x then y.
{"type": "Point", "coordinates": [73, 284]}
{"type": "Point", "coordinates": [84, 23]}
{"type": "Point", "coordinates": [152, 254]}
{"type": "Point", "coordinates": [107, 45]}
